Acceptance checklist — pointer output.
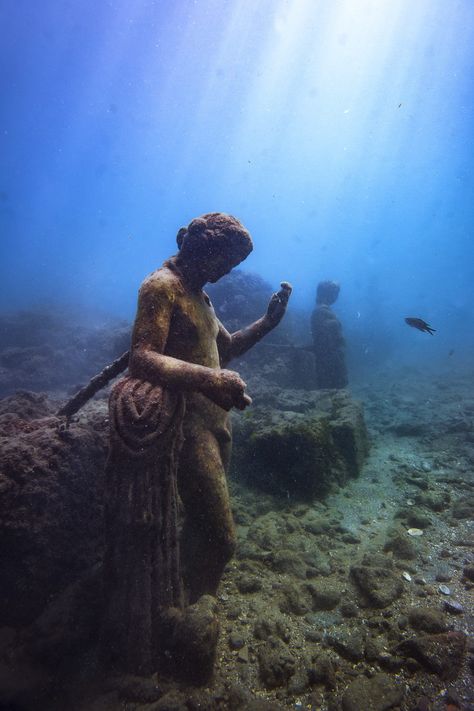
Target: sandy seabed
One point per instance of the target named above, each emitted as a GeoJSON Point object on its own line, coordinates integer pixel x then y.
{"type": "Point", "coordinates": [335, 604]}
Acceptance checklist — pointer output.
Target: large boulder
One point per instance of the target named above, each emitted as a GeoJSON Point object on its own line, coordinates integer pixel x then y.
{"type": "Point", "coordinates": [299, 445]}
{"type": "Point", "coordinates": [51, 481]}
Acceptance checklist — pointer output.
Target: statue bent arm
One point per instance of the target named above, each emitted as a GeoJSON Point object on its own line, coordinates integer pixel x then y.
{"type": "Point", "coordinates": [148, 362]}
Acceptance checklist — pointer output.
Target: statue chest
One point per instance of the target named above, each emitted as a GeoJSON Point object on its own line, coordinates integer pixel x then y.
{"type": "Point", "coordinates": [194, 329]}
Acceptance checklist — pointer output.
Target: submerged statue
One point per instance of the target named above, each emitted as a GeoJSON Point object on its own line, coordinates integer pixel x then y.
{"type": "Point", "coordinates": [328, 341]}
{"type": "Point", "coordinates": [169, 526]}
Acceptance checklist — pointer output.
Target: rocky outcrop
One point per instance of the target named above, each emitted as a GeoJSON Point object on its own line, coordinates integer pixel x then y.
{"type": "Point", "coordinates": [441, 654]}
{"type": "Point", "coordinates": [51, 351]}
{"type": "Point", "coordinates": [376, 694]}
{"type": "Point", "coordinates": [300, 444]}
{"type": "Point", "coordinates": [51, 481]}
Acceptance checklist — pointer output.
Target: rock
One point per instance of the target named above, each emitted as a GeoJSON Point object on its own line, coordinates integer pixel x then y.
{"type": "Point", "coordinates": [379, 586]}
{"type": "Point", "coordinates": [248, 584]}
{"type": "Point", "coordinates": [463, 508]}
{"type": "Point", "coordinates": [418, 481]}
{"type": "Point", "coordinates": [289, 562]}
{"type": "Point", "coordinates": [300, 455]}
{"type": "Point", "coordinates": [349, 609]}
{"type": "Point", "coordinates": [236, 640]}
{"type": "Point", "coordinates": [427, 619]}
{"type": "Point", "coordinates": [453, 607]}
{"type": "Point", "coordinates": [243, 655]}
{"type": "Point", "coordinates": [241, 699]}
{"type": "Point", "coordinates": [276, 663]}
{"type": "Point", "coordinates": [68, 624]}
{"type": "Point", "coordinates": [51, 502]}
{"type": "Point", "coordinates": [272, 625]}
{"type": "Point", "coordinates": [422, 704]}
{"type": "Point", "coordinates": [390, 662]}
{"type": "Point", "coordinates": [443, 574]}
{"type": "Point", "coordinates": [323, 672]}
{"type": "Point", "coordinates": [298, 683]}
{"type": "Point", "coordinates": [234, 611]}
{"type": "Point", "coordinates": [292, 457]}
{"type": "Point", "coordinates": [315, 523]}
{"type": "Point", "coordinates": [417, 519]}
{"type": "Point", "coordinates": [379, 693]}
{"type": "Point", "coordinates": [350, 645]}
{"type": "Point", "coordinates": [400, 545]}
{"type": "Point", "coordinates": [324, 598]}
{"type": "Point", "coordinates": [43, 350]}
{"type": "Point", "coordinates": [468, 572]}
{"type": "Point", "coordinates": [295, 600]}
{"type": "Point", "coordinates": [373, 649]}
{"type": "Point", "coordinates": [442, 654]}
{"type": "Point", "coordinates": [434, 502]}
{"type": "Point", "coordinates": [265, 532]}
{"type": "Point", "coordinates": [317, 561]}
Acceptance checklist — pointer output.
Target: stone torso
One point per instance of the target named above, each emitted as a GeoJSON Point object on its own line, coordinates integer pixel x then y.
{"type": "Point", "coordinates": [192, 336]}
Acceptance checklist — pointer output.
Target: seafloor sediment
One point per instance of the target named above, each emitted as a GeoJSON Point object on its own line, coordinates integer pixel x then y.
{"type": "Point", "coordinates": [328, 604]}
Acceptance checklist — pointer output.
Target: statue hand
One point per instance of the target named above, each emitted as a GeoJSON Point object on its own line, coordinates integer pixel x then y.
{"type": "Point", "coordinates": [229, 391]}
{"type": "Point", "coordinates": [278, 303]}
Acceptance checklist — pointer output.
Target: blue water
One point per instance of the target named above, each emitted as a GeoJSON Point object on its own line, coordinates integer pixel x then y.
{"type": "Point", "coordinates": [340, 132]}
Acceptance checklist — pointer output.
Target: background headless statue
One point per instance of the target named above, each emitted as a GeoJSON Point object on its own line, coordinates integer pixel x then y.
{"type": "Point", "coordinates": [177, 370]}
{"type": "Point", "coordinates": [328, 341]}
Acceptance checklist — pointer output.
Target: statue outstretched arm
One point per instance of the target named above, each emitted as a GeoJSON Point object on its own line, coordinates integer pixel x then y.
{"type": "Point", "coordinates": [236, 344]}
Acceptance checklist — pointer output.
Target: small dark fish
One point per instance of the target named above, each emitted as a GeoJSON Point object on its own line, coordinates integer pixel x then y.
{"type": "Point", "coordinates": [451, 352]}
{"type": "Point", "coordinates": [399, 105]}
{"type": "Point", "coordinates": [419, 324]}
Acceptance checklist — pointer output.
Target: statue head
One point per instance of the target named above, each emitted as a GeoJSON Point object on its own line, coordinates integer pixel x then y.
{"type": "Point", "coordinates": [327, 292]}
{"type": "Point", "coordinates": [213, 244]}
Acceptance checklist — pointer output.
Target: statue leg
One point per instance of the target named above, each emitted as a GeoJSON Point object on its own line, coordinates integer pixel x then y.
{"type": "Point", "coordinates": [208, 536]}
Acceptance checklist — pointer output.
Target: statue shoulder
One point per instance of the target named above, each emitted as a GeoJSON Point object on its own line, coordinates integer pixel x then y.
{"type": "Point", "coordinates": [161, 284]}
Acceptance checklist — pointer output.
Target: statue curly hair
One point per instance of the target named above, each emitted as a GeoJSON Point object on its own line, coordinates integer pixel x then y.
{"type": "Point", "coordinates": [212, 233]}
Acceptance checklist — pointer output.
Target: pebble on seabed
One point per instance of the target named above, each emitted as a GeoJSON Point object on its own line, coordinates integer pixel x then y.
{"type": "Point", "coordinates": [415, 532]}
{"type": "Point", "coordinates": [444, 589]}
{"type": "Point", "coordinates": [454, 607]}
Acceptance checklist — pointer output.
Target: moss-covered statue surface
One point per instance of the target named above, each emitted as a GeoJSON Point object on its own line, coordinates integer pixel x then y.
{"type": "Point", "coordinates": [170, 445]}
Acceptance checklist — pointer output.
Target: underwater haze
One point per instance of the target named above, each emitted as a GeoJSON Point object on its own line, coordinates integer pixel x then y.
{"type": "Point", "coordinates": [339, 131]}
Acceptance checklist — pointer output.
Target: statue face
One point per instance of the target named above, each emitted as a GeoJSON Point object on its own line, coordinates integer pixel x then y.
{"type": "Point", "coordinates": [218, 265]}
